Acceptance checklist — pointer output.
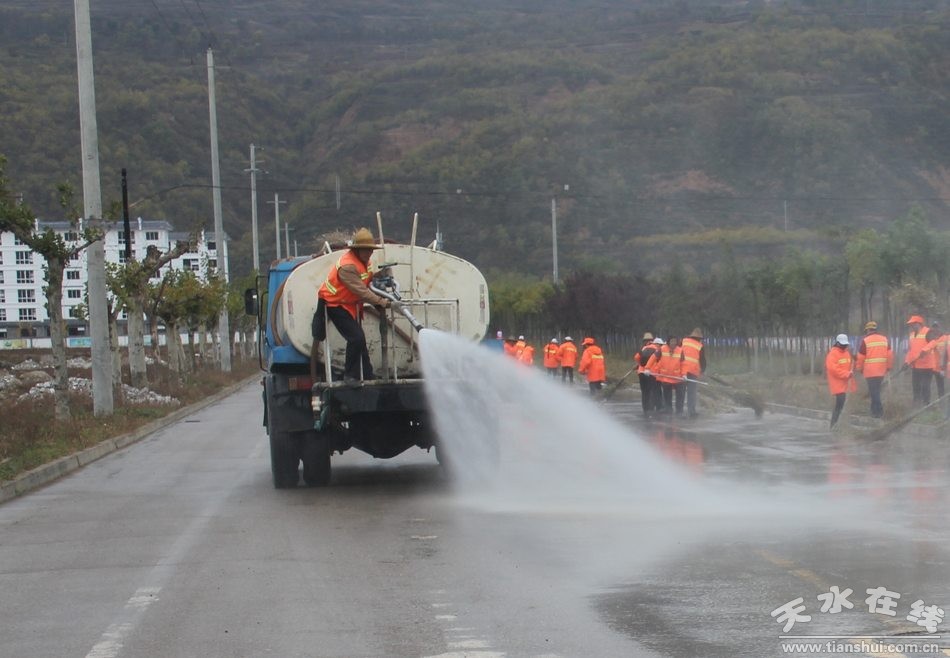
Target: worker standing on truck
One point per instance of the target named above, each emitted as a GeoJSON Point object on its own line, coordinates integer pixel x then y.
{"type": "Point", "coordinates": [341, 299]}
{"type": "Point", "coordinates": [567, 357]}
{"type": "Point", "coordinates": [551, 361]}
{"type": "Point", "coordinates": [592, 364]}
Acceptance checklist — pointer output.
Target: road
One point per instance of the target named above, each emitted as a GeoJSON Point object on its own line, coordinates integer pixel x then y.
{"type": "Point", "coordinates": [180, 546]}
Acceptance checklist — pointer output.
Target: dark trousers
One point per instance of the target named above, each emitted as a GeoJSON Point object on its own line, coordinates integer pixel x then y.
{"type": "Point", "coordinates": [552, 371]}
{"type": "Point", "coordinates": [357, 354]}
{"type": "Point", "coordinates": [567, 372]}
{"type": "Point", "coordinates": [679, 394]}
{"type": "Point", "coordinates": [920, 383]}
{"type": "Point", "coordinates": [938, 376]}
{"type": "Point", "coordinates": [692, 394]}
{"type": "Point", "coordinates": [646, 392]}
{"type": "Point", "coordinates": [839, 405]}
{"type": "Point", "coordinates": [874, 391]}
{"type": "Point", "coordinates": [667, 390]}
{"type": "Point", "coordinates": [595, 387]}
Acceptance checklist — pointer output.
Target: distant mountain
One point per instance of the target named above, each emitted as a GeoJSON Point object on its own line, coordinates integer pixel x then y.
{"type": "Point", "coordinates": [663, 129]}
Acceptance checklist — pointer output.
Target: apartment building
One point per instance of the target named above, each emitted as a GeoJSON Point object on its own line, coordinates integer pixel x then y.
{"type": "Point", "coordinates": [23, 310]}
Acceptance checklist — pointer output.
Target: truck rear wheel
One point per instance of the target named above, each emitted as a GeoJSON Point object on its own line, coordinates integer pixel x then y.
{"type": "Point", "coordinates": [315, 453]}
{"type": "Point", "coordinates": [284, 458]}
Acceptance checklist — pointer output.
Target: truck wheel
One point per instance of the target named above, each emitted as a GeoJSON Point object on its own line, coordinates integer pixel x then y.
{"type": "Point", "coordinates": [316, 459]}
{"type": "Point", "coordinates": [283, 460]}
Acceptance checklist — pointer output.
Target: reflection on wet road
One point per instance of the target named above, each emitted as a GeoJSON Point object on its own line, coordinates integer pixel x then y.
{"type": "Point", "coordinates": [880, 531]}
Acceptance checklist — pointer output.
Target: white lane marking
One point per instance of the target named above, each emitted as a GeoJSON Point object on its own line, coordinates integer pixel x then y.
{"type": "Point", "coordinates": [113, 638]}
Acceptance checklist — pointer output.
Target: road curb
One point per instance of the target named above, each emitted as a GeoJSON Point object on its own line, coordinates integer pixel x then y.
{"type": "Point", "coordinates": [47, 473]}
{"type": "Point", "coordinates": [914, 429]}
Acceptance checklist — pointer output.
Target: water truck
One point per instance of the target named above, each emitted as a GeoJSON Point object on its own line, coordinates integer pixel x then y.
{"type": "Point", "coordinates": [310, 413]}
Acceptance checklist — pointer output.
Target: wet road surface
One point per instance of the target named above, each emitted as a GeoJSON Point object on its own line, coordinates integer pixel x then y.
{"type": "Point", "coordinates": [179, 546]}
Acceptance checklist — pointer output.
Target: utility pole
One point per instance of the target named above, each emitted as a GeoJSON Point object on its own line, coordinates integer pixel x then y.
{"type": "Point", "coordinates": [785, 206]}
{"type": "Point", "coordinates": [224, 330]}
{"type": "Point", "coordinates": [277, 203]}
{"type": "Point", "coordinates": [554, 235]}
{"type": "Point", "coordinates": [287, 239]}
{"type": "Point", "coordinates": [102, 400]}
{"type": "Point", "coordinates": [254, 239]}
{"type": "Point", "coordinates": [336, 179]}
{"type": "Point", "coordinates": [126, 222]}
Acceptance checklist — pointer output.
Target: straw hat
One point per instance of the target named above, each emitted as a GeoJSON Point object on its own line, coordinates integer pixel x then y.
{"type": "Point", "coordinates": [871, 326]}
{"type": "Point", "coordinates": [696, 333]}
{"type": "Point", "coordinates": [363, 239]}
{"type": "Point", "coordinates": [648, 336]}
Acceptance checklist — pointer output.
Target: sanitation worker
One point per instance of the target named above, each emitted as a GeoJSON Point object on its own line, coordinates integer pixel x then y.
{"type": "Point", "coordinates": [527, 355]}
{"type": "Point", "coordinates": [940, 355]}
{"type": "Point", "coordinates": [920, 359]}
{"type": "Point", "coordinates": [341, 299]}
{"type": "Point", "coordinates": [519, 347]}
{"type": "Point", "coordinates": [667, 366]}
{"type": "Point", "coordinates": [875, 358]}
{"type": "Point", "coordinates": [694, 365]}
{"type": "Point", "coordinates": [647, 382]}
{"type": "Point", "coordinates": [839, 369]}
{"type": "Point", "coordinates": [567, 357]}
{"type": "Point", "coordinates": [551, 360]}
{"type": "Point", "coordinates": [592, 365]}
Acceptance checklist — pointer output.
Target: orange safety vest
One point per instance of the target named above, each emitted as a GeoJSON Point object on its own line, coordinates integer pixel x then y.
{"type": "Point", "coordinates": [510, 349]}
{"type": "Point", "coordinates": [642, 357]}
{"type": "Point", "coordinates": [592, 363]}
{"type": "Point", "coordinates": [567, 355]}
{"type": "Point", "coordinates": [877, 357]}
{"type": "Point", "coordinates": [920, 353]}
{"type": "Point", "coordinates": [550, 355]}
{"type": "Point", "coordinates": [519, 348]}
{"type": "Point", "coordinates": [838, 371]}
{"type": "Point", "coordinates": [334, 293]}
{"type": "Point", "coordinates": [668, 365]}
{"type": "Point", "coordinates": [527, 355]}
{"type": "Point", "coordinates": [692, 349]}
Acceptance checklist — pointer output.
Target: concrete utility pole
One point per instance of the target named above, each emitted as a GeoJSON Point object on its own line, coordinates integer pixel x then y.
{"type": "Point", "coordinates": [554, 236]}
{"type": "Point", "coordinates": [277, 203]}
{"type": "Point", "coordinates": [287, 238]}
{"type": "Point", "coordinates": [224, 330]}
{"type": "Point", "coordinates": [102, 400]}
{"type": "Point", "coordinates": [254, 239]}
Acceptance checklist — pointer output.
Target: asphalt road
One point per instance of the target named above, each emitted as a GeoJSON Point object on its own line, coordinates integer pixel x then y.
{"type": "Point", "coordinates": [180, 546]}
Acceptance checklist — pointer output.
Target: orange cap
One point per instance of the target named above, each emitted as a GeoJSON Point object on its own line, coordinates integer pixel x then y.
{"type": "Point", "coordinates": [915, 318]}
{"type": "Point", "coordinates": [588, 341]}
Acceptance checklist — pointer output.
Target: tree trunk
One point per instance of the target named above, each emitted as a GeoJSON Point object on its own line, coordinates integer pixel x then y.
{"type": "Point", "coordinates": [137, 369]}
{"type": "Point", "coordinates": [116, 357]}
{"type": "Point", "coordinates": [57, 337]}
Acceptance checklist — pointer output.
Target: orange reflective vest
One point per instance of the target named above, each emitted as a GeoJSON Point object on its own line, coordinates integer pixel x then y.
{"type": "Point", "coordinates": [642, 357]}
{"type": "Point", "coordinates": [527, 355]}
{"type": "Point", "coordinates": [667, 364]}
{"type": "Point", "coordinates": [838, 370]}
{"type": "Point", "coordinates": [567, 354]}
{"type": "Point", "coordinates": [920, 353]}
{"type": "Point", "coordinates": [874, 356]}
{"type": "Point", "coordinates": [692, 349]}
{"type": "Point", "coordinates": [519, 348]}
{"type": "Point", "coordinates": [510, 349]}
{"type": "Point", "coordinates": [550, 355]}
{"type": "Point", "coordinates": [334, 293]}
{"type": "Point", "coordinates": [592, 364]}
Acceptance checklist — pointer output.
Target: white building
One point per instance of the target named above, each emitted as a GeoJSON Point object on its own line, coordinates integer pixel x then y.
{"type": "Point", "coordinates": [22, 300]}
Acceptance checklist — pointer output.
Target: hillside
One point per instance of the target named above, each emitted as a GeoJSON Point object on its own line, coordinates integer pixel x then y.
{"type": "Point", "coordinates": [662, 119]}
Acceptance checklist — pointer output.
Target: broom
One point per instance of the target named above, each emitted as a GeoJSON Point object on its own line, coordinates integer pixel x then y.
{"type": "Point", "coordinates": [740, 396]}
{"type": "Point", "coordinates": [886, 430]}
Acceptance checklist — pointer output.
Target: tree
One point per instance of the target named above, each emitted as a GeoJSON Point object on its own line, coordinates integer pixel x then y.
{"type": "Point", "coordinates": [19, 220]}
{"type": "Point", "coordinates": [129, 283]}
